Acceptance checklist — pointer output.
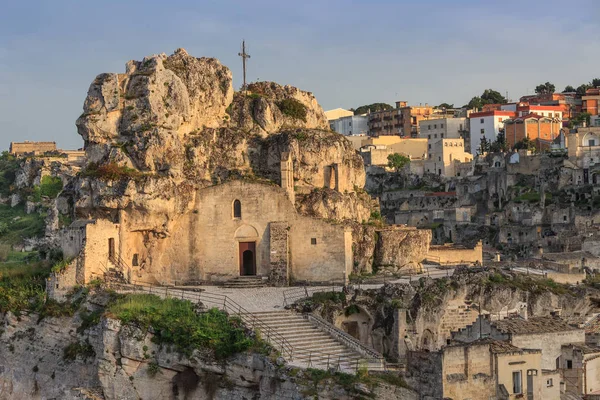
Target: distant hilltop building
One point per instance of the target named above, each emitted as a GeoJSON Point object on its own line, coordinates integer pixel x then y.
{"type": "Point", "coordinates": [28, 148]}
{"type": "Point", "coordinates": [31, 148]}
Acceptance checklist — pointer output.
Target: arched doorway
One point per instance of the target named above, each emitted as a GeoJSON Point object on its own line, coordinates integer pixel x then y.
{"type": "Point", "coordinates": [247, 258]}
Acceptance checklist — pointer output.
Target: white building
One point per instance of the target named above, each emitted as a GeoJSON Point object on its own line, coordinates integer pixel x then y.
{"type": "Point", "coordinates": [441, 128]}
{"type": "Point", "coordinates": [352, 125]}
{"type": "Point", "coordinates": [337, 113]}
{"type": "Point", "coordinates": [487, 124]}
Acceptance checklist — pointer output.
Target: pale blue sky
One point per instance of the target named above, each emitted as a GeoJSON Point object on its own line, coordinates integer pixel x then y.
{"type": "Point", "coordinates": [348, 53]}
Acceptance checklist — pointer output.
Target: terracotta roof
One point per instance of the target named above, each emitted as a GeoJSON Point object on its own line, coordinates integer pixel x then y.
{"type": "Point", "coordinates": [584, 348]}
{"type": "Point", "coordinates": [532, 325]}
{"type": "Point", "coordinates": [496, 346]}
{"type": "Point", "coordinates": [593, 326]}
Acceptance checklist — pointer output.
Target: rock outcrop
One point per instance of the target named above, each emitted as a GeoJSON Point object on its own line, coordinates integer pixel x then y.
{"type": "Point", "coordinates": [59, 358]}
{"type": "Point", "coordinates": [402, 248]}
{"type": "Point", "coordinates": [267, 107]}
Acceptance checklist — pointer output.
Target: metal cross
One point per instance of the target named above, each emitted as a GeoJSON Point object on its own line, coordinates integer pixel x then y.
{"type": "Point", "coordinates": [244, 56]}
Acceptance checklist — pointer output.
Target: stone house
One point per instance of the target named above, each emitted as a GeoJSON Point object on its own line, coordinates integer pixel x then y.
{"type": "Point", "coordinates": [547, 334]}
{"type": "Point", "coordinates": [581, 368]}
{"type": "Point", "coordinates": [483, 369]}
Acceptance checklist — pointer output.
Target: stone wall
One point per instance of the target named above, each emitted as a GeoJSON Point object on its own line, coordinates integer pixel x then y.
{"type": "Point", "coordinates": [425, 373]}
{"type": "Point", "coordinates": [456, 255]}
{"type": "Point", "coordinates": [279, 260]}
{"type": "Point", "coordinates": [20, 148]}
{"type": "Point", "coordinates": [467, 372]}
{"type": "Point", "coordinates": [549, 343]}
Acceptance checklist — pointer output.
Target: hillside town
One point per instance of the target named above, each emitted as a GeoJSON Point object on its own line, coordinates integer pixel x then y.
{"type": "Point", "coordinates": [207, 242]}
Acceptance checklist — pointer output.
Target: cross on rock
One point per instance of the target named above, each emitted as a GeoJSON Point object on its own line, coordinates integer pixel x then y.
{"type": "Point", "coordinates": [244, 56]}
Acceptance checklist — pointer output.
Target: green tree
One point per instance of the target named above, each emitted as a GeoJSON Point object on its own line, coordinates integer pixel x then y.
{"type": "Point", "coordinates": [545, 88]}
{"type": "Point", "coordinates": [372, 107]}
{"type": "Point", "coordinates": [569, 89]}
{"type": "Point", "coordinates": [397, 161]}
{"type": "Point", "coordinates": [499, 144]}
{"type": "Point", "coordinates": [582, 88]}
{"type": "Point", "coordinates": [525, 144]}
{"type": "Point", "coordinates": [446, 106]}
{"type": "Point", "coordinates": [484, 146]}
{"type": "Point", "coordinates": [579, 119]}
{"type": "Point", "coordinates": [596, 82]}
{"type": "Point", "coordinates": [489, 96]}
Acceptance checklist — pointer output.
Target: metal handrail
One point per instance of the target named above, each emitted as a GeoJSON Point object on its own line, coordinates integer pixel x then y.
{"type": "Point", "coordinates": [290, 296]}
{"type": "Point", "coordinates": [348, 340]}
{"type": "Point", "coordinates": [226, 304]}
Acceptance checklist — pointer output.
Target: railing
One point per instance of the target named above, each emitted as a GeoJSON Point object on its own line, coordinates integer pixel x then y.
{"type": "Point", "coordinates": [224, 303]}
{"type": "Point", "coordinates": [342, 336]}
{"type": "Point", "coordinates": [293, 295]}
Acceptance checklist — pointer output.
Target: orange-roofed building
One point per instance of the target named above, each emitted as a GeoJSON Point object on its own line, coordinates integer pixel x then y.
{"type": "Point", "coordinates": [591, 101]}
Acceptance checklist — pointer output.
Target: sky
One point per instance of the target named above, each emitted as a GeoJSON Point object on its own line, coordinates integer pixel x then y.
{"type": "Point", "coordinates": [348, 53]}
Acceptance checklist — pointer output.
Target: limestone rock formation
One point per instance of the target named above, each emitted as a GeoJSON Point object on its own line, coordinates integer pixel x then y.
{"type": "Point", "coordinates": [267, 107]}
{"type": "Point", "coordinates": [148, 111]}
{"type": "Point", "coordinates": [402, 247]}
{"type": "Point", "coordinates": [330, 204]}
{"type": "Point", "coordinates": [55, 358]}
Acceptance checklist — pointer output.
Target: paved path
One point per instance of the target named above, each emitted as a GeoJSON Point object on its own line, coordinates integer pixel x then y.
{"type": "Point", "coordinates": [272, 298]}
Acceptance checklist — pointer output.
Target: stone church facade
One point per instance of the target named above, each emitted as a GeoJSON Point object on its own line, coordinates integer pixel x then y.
{"type": "Point", "coordinates": [238, 228]}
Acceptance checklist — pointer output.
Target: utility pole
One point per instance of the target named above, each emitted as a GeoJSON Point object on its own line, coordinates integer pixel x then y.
{"type": "Point", "coordinates": [244, 56]}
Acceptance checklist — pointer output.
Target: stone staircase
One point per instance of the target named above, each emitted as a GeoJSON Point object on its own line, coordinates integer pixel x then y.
{"type": "Point", "coordinates": [312, 347]}
{"type": "Point", "coordinates": [245, 282]}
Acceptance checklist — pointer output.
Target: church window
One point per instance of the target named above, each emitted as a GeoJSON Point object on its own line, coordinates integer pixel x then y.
{"type": "Point", "coordinates": [313, 241]}
{"type": "Point", "coordinates": [237, 209]}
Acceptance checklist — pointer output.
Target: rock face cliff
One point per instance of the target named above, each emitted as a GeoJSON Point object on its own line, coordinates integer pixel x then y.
{"type": "Point", "coordinates": [64, 359]}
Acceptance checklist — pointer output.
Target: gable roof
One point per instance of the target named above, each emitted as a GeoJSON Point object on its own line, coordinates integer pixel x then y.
{"type": "Point", "coordinates": [534, 325]}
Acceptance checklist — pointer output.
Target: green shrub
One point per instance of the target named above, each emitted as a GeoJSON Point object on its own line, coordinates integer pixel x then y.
{"type": "Point", "coordinates": [84, 350]}
{"type": "Point", "coordinates": [89, 319]}
{"type": "Point", "coordinates": [111, 172]}
{"type": "Point", "coordinates": [60, 266]}
{"type": "Point", "coordinates": [4, 251]}
{"type": "Point", "coordinates": [153, 369]}
{"type": "Point", "coordinates": [9, 165]}
{"type": "Point", "coordinates": [175, 322]}
{"type": "Point", "coordinates": [22, 286]}
{"type": "Point", "coordinates": [351, 309]}
{"type": "Point", "coordinates": [50, 186]}
{"type": "Point", "coordinates": [324, 297]}
{"type": "Point", "coordinates": [293, 108]}
{"type": "Point", "coordinates": [16, 225]}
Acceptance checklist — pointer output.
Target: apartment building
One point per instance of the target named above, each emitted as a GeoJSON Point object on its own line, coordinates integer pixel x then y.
{"type": "Point", "coordinates": [442, 128]}
{"type": "Point", "coordinates": [486, 124]}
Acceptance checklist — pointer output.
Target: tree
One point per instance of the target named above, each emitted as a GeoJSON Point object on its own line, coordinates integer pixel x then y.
{"type": "Point", "coordinates": [489, 96]}
{"type": "Point", "coordinates": [499, 144]}
{"type": "Point", "coordinates": [569, 89]}
{"type": "Point", "coordinates": [397, 161]}
{"type": "Point", "coordinates": [582, 88]}
{"type": "Point", "coordinates": [596, 82]}
{"type": "Point", "coordinates": [545, 88]}
{"type": "Point", "coordinates": [526, 144]}
{"type": "Point", "coordinates": [484, 146]}
{"type": "Point", "coordinates": [580, 119]}
{"type": "Point", "coordinates": [446, 106]}
{"type": "Point", "coordinates": [372, 107]}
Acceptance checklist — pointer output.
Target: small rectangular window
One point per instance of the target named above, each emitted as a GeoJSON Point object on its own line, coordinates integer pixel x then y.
{"type": "Point", "coordinates": [569, 364]}
{"type": "Point", "coordinates": [549, 383]}
{"type": "Point", "coordinates": [135, 260]}
{"type": "Point", "coordinates": [481, 121]}
{"type": "Point", "coordinates": [517, 384]}
{"type": "Point", "coordinates": [482, 131]}
{"type": "Point", "coordinates": [313, 241]}
{"type": "Point", "coordinates": [441, 125]}
{"type": "Point", "coordinates": [435, 126]}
